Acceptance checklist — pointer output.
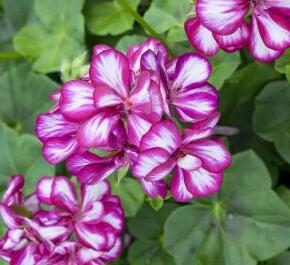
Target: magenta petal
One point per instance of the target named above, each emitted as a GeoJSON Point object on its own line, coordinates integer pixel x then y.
{"type": "Point", "coordinates": [77, 101]}
{"type": "Point", "coordinates": [86, 255]}
{"type": "Point", "coordinates": [110, 68]}
{"type": "Point", "coordinates": [96, 131]}
{"type": "Point", "coordinates": [105, 96]}
{"type": "Point", "coordinates": [154, 189]}
{"type": "Point", "coordinates": [114, 219]}
{"type": "Point", "coordinates": [64, 194]}
{"type": "Point", "coordinates": [196, 103]}
{"type": "Point", "coordinates": [200, 37]}
{"type": "Point", "coordinates": [202, 183]}
{"type": "Point", "coordinates": [55, 150]}
{"type": "Point", "coordinates": [140, 95]}
{"type": "Point", "coordinates": [51, 125]}
{"type": "Point", "coordinates": [222, 16]}
{"type": "Point", "coordinates": [114, 252]}
{"type": "Point", "coordinates": [190, 135]}
{"type": "Point", "coordinates": [208, 122]}
{"type": "Point", "coordinates": [90, 168]}
{"type": "Point", "coordinates": [93, 214]}
{"type": "Point", "coordinates": [163, 134]}
{"type": "Point", "coordinates": [148, 161]}
{"type": "Point", "coordinates": [24, 256]}
{"type": "Point", "coordinates": [213, 154]}
{"type": "Point", "coordinates": [274, 29]}
{"type": "Point", "coordinates": [31, 202]}
{"type": "Point", "coordinates": [9, 217]}
{"type": "Point", "coordinates": [160, 172]}
{"type": "Point", "coordinates": [189, 162]}
{"type": "Point", "coordinates": [238, 38]}
{"type": "Point", "coordinates": [178, 188]}
{"type": "Point", "coordinates": [138, 126]}
{"type": "Point", "coordinates": [192, 70]}
{"type": "Point", "coordinates": [13, 193]}
{"type": "Point", "coordinates": [258, 48]}
{"type": "Point", "coordinates": [44, 189]}
{"type": "Point", "coordinates": [100, 48]}
{"type": "Point", "coordinates": [94, 192]}
{"type": "Point", "coordinates": [158, 101]}
{"type": "Point", "coordinates": [91, 236]}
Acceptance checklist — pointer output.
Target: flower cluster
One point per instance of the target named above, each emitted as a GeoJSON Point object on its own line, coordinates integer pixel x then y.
{"type": "Point", "coordinates": [145, 112]}
{"type": "Point", "coordinates": [223, 24]}
{"type": "Point", "coordinates": [51, 226]}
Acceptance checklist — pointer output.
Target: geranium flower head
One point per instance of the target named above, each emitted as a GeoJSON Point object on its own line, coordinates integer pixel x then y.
{"type": "Point", "coordinates": [223, 24]}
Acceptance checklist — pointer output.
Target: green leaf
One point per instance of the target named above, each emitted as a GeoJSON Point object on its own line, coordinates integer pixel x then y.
{"type": "Point", "coordinates": [16, 14]}
{"type": "Point", "coordinates": [148, 253]}
{"type": "Point", "coordinates": [245, 222]}
{"type": "Point", "coordinates": [282, 62]}
{"type": "Point", "coordinates": [284, 194]}
{"type": "Point", "coordinates": [164, 15]}
{"type": "Point", "coordinates": [23, 95]}
{"type": "Point", "coordinates": [54, 37]}
{"type": "Point", "coordinates": [21, 154]}
{"type": "Point", "coordinates": [147, 228]}
{"type": "Point", "coordinates": [224, 65]}
{"type": "Point", "coordinates": [272, 116]}
{"type": "Point", "coordinates": [238, 93]}
{"type": "Point", "coordinates": [122, 172]}
{"type": "Point", "coordinates": [127, 41]}
{"type": "Point", "coordinates": [108, 17]}
{"type": "Point", "coordinates": [130, 193]}
{"type": "Point", "coordinates": [283, 259]}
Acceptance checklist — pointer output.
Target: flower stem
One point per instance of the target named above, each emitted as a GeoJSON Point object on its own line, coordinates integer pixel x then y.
{"type": "Point", "coordinates": [145, 25]}
{"type": "Point", "coordinates": [10, 56]}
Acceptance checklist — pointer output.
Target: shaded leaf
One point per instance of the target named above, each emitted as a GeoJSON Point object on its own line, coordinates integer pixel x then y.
{"type": "Point", "coordinates": [54, 37]}
{"type": "Point", "coordinates": [272, 116]}
{"type": "Point", "coordinates": [244, 223]}
{"type": "Point", "coordinates": [108, 17]}
{"type": "Point", "coordinates": [21, 154]}
{"type": "Point", "coordinates": [23, 95]}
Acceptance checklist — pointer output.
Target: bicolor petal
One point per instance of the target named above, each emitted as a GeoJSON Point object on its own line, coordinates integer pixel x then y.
{"type": "Point", "coordinates": [200, 37]}
{"type": "Point", "coordinates": [222, 16]}
{"type": "Point", "coordinates": [96, 131]}
{"type": "Point", "coordinates": [150, 160]}
{"type": "Point", "coordinates": [258, 48]}
{"type": "Point", "coordinates": [50, 125]}
{"type": "Point", "coordinates": [154, 189]}
{"type": "Point", "coordinates": [111, 68]}
{"type": "Point", "coordinates": [192, 70]}
{"type": "Point", "coordinates": [44, 189]}
{"type": "Point", "coordinates": [202, 183]}
{"type": "Point", "coordinates": [164, 134]}
{"type": "Point", "coordinates": [77, 102]}
{"type": "Point", "coordinates": [178, 188]}
{"type": "Point", "coordinates": [64, 194]}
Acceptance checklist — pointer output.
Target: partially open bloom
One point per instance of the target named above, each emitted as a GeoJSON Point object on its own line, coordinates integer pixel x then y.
{"type": "Point", "coordinates": [64, 232]}
{"type": "Point", "coordinates": [224, 24]}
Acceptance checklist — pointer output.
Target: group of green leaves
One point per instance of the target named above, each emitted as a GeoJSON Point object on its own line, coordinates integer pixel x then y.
{"type": "Point", "coordinates": [43, 42]}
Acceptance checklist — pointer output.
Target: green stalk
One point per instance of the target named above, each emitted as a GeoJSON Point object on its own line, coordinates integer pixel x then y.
{"type": "Point", "coordinates": [10, 56]}
{"type": "Point", "coordinates": [143, 23]}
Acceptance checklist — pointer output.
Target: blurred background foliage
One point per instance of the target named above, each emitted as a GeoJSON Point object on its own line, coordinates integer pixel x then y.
{"type": "Point", "coordinates": [46, 42]}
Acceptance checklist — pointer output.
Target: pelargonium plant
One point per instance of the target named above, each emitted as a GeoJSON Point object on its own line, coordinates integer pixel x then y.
{"type": "Point", "coordinates": [261, 25]}
{"type": "Point", "coordinates": [54, 225]}
{"type": "Point", "coordinates": [150, 114]}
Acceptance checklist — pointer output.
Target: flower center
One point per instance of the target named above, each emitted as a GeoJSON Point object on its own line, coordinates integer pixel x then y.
{"type": "Point", "coordinates": [179, 154]}
{"type": "Point", "coordinates": [259, 4]}
{"type": "Point", "coordinates": [128, 104]}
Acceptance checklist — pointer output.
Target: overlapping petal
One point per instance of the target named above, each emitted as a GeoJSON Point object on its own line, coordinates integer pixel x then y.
{"type": "Point", "coordinates": [154, 189]}
{"type": "Point", "coordinates": [111, 68]}
{"type": "Point", "coordinates": [222, 16]}
{"type": "Point", "coordinates": [77, 102]}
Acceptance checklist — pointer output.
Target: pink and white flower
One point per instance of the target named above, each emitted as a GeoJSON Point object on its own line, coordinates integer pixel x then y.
{"type": "Point", "coordinates": [223, 24]}
{"type": "Point", "coordinates": [40, 236]}
{"type": "Point", "coordinates": [96, 218]}
{"type": "Point", "coordinates": [197, 162]}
